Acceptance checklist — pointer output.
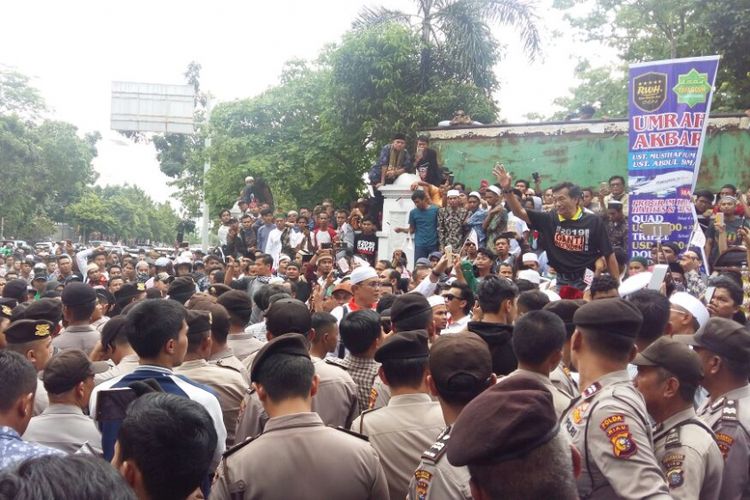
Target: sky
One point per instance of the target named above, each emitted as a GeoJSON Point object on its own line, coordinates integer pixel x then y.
{"type": "Point", "coordinates": [74, 50]}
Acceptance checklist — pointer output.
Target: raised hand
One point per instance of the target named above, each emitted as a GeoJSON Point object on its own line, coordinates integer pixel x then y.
{"type": "Point", "coordinates": [502, 176]}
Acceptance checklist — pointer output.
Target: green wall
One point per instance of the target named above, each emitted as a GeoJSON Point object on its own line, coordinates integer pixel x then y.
{"type": "Point", "coordinates": [585, 153]}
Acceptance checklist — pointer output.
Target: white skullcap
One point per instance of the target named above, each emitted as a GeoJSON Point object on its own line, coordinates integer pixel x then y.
{"type": "Point", "coordinates": [691, 305]}
{"type": "Point", "coordinates": [530, 257]}
{"type": "Point", "coordinates": [453, 192]}
{"type": "Point", "coordinates": [476, 194]}
{"type": "Point", "coordinates": [634, 283]}
{"type": "Point", "coordinates": [362, 273]}
{"type": "Point", "coordinates": [529, 275]}
{"type": "Point", "coordinates": [436, 300]}
{"type": "Point", "coordinates": [495, 190]}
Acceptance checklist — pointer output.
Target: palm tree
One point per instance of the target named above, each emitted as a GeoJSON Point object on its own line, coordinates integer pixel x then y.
{"type": "Point", "coordinates": [457, 33]}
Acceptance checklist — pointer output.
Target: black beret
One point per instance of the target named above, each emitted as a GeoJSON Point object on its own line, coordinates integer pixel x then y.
{"type": "Point", "coordinates": [49, 309]}
{"type": "Point", "coordinates": [128, 291]}
{"type": "Point", "coordinates": [76, 294]}
{"type": "Point", "coordinates": [403, 345]}
{"type": "Point", "coordinates": [615, 316]}
{"type": "Point", "coordinates": [6, 307]}
{"type": "Point", "coordinates": [28, 330]}
{"type": "Point", "coordinates": [219, 316]}
{"type": "Point", "coordinates": [68, 368]}
{"type": "Point", "coordinates": [198, 322]}
{"type": "Point", "coordinates": [408, 305]}
{"type": "Point", "coordinates": [181, 289]}
{"type": "Point", "coordinates": [218, 289]}
{"type": "Point", "coordinates": [724, 337]}
{"type": "Point", "coordinates": [564, 309]}
{"type": "Point", "coordinates": [292, 344]}
{"type": "Point", "coordinates": [288, 316]}
{"type": "Point", "coordinates": [675, 357]}
{"type": "Point", "coordinates": [16, 289]}
{"type": "Point", "coordinates": [508, 420]}
{"type": "Point", "coordinates": [105, 294]}
{"type": "Point", "coordinates": [236, 301]}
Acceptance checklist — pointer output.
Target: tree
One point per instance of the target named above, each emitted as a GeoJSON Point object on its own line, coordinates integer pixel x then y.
{"type": "Point", "coordinates": [17, 95]}
{"type": "Point", "coordinates": [455, 36]}
{"type": "Point", "coordinates": [647, 30]}
{"type": "Point", "coordinates": [91, 214]}
{"type": "Point", "coordinates": [604, 88]}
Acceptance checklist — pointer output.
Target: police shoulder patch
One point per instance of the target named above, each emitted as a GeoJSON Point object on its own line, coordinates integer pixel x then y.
{"type": "Point", "coordinates": [618, 433]}
{"type": "Point", "coordinates": [423, 479]}
{"type": "Point", "coordinates": [725, 442]}
{"type": "Point", "coordinates": [437, 450]}
{"type": "Point", "coordinates": [591, 390]}
{"type": "Point", "coordinates": [672, 464]}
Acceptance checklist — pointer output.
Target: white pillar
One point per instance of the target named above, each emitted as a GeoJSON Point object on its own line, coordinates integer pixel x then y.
{"type": "Point", "coordinates": [396, 208]}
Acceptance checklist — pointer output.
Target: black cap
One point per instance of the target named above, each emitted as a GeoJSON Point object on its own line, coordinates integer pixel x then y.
{"type": "Point", "coordinates": [615, 316]}
{"type": "Point", "coordinates": [408, 305]}
{"type": "Point", "coordinates": [77, 294]}
{"type": "Point", "coordinates": [292, 344]}
{"type": "Point", "coordinates": [219, 316]}
{"type": "Point", "coordinates": [68, 368]}
{"type": "Point", "coordinates": [218, 289]}
{"type": "Point", "coordinates": [181, 289]}
{"type": "Point", "coordinates": [198, 322]}
{"type": "Point", "coordinates": [564, 309]}
{"type": "Point", "coordinates": [236, 302]}
{"type": "Point", "coordinates": [724, 337]}
{"type": "Point", "coordinates": [128, 291]}
{"type": "Point", "coordinates": [28, 330]}
{"type": "Point", "coordinates": [16, 289]}
{"type": "Point", "coordinates": [288, 316]}
{"type": "Point", "coordinates": [47, 308]}
{"type": "Point", "coordinates": [508, 420]}
{"type": "Point", "coordinates": [6, 307]}
{"type": "Point", "coordinates": [459, 357]}
{"type": "Point", "coordinates": [675, 357]}
{"type": "Point", "coordinates": [403, 345]}
{"type": "Point", "coordinates": [103, 293]}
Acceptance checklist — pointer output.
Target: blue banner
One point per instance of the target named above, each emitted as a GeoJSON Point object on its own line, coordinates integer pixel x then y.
{"type": "Point", "coordinates": [669, 103]}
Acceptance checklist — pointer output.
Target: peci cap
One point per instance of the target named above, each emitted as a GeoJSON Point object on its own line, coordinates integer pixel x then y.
{"type": "Point", "coordinates": [362, 273]}
{"type": "Point", "coordinates": [692, 305]}
{"type": "Point", "coordinates": [722, 336]}
{"type": "Point", "coordinates": [291, 344]}
{"type": "Point", "coordinates": [505, 422]}
{"type": "Point", "coordinates": [458, 360]}
{"type": "Point", "coordinates": [288, 316]}
{"type": "Point", "coordinates": [675, 357]}
{"type": "Point", "coordinates": [404, 345]}
{"type": "Point", "coordinates": [6, 307]}
{"type": "Point", "coordinates": [407, 305]}
{"type": "Point", "coordinates": [67, 369]}
{"type": "Point", "coordinates": [78, 294]}
{"type": "Point", "coordinates": [615, 316]}
{"type": "Point", "coordinates": [28, 330]}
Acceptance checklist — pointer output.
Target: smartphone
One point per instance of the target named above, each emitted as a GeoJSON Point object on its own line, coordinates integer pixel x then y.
{"type": "Point", "coordinates": [657, 276]}
{"type": "Point", "coordinates": [709, 294]}
{"type": "Point", "coordinates": [535, 176]}
{"type": "Point", "coordinates": [719, 218]}
{"type": "Point", "coordinates": [343, 265]}
{"type": "Point", "coordinates": [113, 403]}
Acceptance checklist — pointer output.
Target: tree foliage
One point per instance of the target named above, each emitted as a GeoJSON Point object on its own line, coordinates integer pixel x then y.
{"type": "Point", "coordinates": [314, 134]}
{"type": "Point", "coordinates": [648, 30]}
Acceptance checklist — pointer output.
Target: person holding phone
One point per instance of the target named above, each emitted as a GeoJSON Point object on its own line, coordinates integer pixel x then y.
{"type": "Point", "coordinates": [723, 230]}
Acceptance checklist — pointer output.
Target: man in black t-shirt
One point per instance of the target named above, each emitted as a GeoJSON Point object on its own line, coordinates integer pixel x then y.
{"type": "Point", "coordinates": [366, 243]}
{"type": "Point", "coordinates": [573, 239]}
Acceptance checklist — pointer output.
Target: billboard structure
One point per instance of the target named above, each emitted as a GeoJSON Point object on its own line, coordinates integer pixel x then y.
{"type": "Point", "coordinates": [152, 107]}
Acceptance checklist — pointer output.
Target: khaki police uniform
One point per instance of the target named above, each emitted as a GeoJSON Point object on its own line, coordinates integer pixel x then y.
{"type": "Point", "coordinates": [729, 418]}
{"type": "Point", "coordinates": [127, 364]}
{"type": "Point", "coordinates": [83, 337]}
{"type": "Point", "coordinates": [298, 457]}
{"type": "Point", "coordinates": [610, 427]}
{"type": "Point", "coordinates": [560, 400]}
{"type": "Point", "coordinates": [435, 478]}
{"type": "Point", "coordinates": [380, 394]}
{"type": "Point", "coordinates": [336, 402]}
{"type": "Point", "coordinates": [228, 384]}
{"type": "Point", "coordinates": [227, 359]}
{"type": "Point", "coordinates": [689, 457]}
{"type": "Point", "coordinates": [400, 432]}
{"type": "Point", "coordinates": [64, 427]}
{"type": "Point", "coordinates": [243, 345]}
{"type": "Point", "coordinates": [41, 398]}
{"type": "Point", "coordinates": [562, 378]}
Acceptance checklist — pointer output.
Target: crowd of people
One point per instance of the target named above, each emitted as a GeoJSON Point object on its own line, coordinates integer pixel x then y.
{"type": "Point", "coordinates": [521, 355]}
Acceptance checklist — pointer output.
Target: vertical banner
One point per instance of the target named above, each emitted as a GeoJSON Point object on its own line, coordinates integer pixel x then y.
{"type": "Point", "coordinates": [669, 103]}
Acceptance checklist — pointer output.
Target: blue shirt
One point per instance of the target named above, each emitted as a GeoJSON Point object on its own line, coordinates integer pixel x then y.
{"type": "Point", "coordinates": [171, 383]}
{"type": "Point", "coordinates": [263, 233]}
{"type": "Point", "coordinates": [425, 223]}
{"type": "Point", "coordinates": [14, 450]}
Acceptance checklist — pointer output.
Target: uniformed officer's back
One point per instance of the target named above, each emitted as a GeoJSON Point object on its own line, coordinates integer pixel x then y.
{"type": "Point", "coordinates": [296, 456]}
{"type": "Point", "coordinates": [410, 424]}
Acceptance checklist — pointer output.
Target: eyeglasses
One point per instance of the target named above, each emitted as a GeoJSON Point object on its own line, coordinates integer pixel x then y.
{"type": "Point", "coordinates": [373, 284]}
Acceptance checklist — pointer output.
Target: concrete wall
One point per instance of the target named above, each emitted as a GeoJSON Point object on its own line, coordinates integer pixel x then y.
{"type": "Point", "coordinates": [584, 152]}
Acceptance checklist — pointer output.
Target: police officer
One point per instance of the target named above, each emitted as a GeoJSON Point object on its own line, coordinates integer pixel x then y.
{"type": "Point", "coordinates": [609, 423]}
{"type": "Point", "coordinates": [724, 349]}
{"type": "Point", "coordinates": [460, 369]}
{"type": "Point", "coordinates": [669, 373]}
{"type": "Point", "coordinates": [411, 422]}
{"type": "Point", "coordinates": [510, 440]}
{"type": "Point", "coordinates": [32, 339]}
{"type": "Point", "coordinates": [229, 385]}
{"type": "Point", "coordinates": [69, 380]}
{"type": "Point", "coordinates": [297, 456]}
